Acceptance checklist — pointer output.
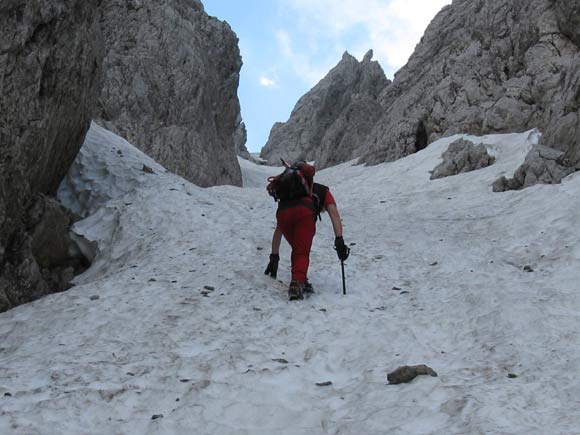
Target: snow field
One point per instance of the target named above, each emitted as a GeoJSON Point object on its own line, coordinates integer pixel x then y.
{"type": "Point", "coordinates": [153, 343]}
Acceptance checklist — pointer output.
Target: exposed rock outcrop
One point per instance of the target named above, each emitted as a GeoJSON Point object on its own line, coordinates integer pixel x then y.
{"type": "Point", "coordinates": [462, 156]}
{"type": "Point", "coordinates": [240, 139]}
{"type": "Point", "coordinates": [482, 67]}
{"type": "Point", "coordinates": [331, 121]}
{"type": "Point", "coordinates": [170, 87]}
{"type": "Point", "coordinates": [563, 130]}
{"type": "Point", "coordinates": [568, 16]}
{"type": "Point", "coordinates": [542, 165]}
{"type": "Point", "coordinates": [50, 64]}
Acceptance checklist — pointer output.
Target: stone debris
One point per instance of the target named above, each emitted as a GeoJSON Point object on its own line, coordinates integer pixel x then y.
{"type": "Point", "coordinates": [408, 373]}
{"type": "Point", "coordinates": [148, 169]}
{"type": "Point", "coordinates": [542, 165]}
{"type": "Point", "coordinates": [462, 156]}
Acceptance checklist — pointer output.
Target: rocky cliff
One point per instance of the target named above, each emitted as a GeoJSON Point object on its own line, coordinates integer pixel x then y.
{"type": "Point", "coordinates": [240, 139]}
{"type": "Point", "coordinates": [331, 120]}
{"type": "Point", "coordinates": [170, 86]}
{"type": "Point", "coordinates": [483, 66]}
{"type": "Point", "coordinates": [563, 130]}
{"type": "Point", "coordinates": [50, 58]}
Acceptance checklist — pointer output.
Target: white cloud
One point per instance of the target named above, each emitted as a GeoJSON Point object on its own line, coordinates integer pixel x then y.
{"type": "Point", "coordinates": [392, 27]}
{"type": "Point", "coordinates": [267, 81]}
{"type": "Point", "coordinates": [302, 63]}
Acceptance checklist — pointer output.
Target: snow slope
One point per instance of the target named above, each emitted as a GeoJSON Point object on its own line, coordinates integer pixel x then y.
{"type": "Point", "coordinates": [155, 342]}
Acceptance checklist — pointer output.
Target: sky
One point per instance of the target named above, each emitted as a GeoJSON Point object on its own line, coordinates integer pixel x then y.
{"type": "Point", "coordinates": [287, 46]}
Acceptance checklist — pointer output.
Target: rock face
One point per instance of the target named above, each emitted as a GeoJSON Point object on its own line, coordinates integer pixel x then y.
{"type": "Point", "coordinates": [543, 165]}
{"type": "Point", "coordinates": [50, 60]}
{"type": "Point", "coordinates": [462, 156]}
{"type": "Point", "coordinates": [170, 86]}
{"type": "Point", "coordinates": [332, 120]}
{"type": "Point", "coordinates": [240, 138]}
{"type": "Point", "coordinates": [568, 16]}
{"type": "Point", "coordinates": [563, 132]}
{"type": "Point", "coordinates": [483, 66]}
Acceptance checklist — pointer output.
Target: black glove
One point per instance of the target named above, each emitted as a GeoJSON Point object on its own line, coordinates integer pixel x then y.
{"type": "Point", "coordinates": [341, 249]}
{"type": "Point", "coordinates": [272, 268]}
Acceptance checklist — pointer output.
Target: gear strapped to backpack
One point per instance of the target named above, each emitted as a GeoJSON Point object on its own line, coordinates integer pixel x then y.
{"type": "Point", "coordinates": [318, 197]}
{"type": "Point", "coordinates": [295, 182]}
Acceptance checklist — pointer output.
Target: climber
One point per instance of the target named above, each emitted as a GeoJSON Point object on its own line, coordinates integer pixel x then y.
{"type": "Point", "coordinates": [300, 202]}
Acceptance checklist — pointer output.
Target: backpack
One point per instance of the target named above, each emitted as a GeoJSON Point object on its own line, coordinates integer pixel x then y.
{"type": "Point", "coordinates": [318, 197]}
{"type": "Point", "coordinates": [295, 182]}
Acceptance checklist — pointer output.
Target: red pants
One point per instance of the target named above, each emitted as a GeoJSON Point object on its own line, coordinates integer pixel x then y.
{"type": "Point", "coordinates": [298, 227]}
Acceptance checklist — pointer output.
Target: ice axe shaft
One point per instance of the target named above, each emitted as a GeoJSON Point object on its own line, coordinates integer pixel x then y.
{"type": "Point", "coordinates": [343, 280]}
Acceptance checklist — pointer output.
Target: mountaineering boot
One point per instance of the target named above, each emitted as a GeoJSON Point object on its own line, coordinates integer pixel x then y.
{"type": "Point", "coordinates": [308, 288]}
{"type": "Point", "coordinates": [295, 291]}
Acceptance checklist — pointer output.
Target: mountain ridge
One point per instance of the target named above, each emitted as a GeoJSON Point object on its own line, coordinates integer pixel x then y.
{"type": "Point", "coordinates": [481, 67]}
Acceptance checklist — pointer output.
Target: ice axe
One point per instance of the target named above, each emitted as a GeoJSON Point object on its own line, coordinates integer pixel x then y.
{"type": "Point", "coordinates": [343, 280]}
{"type": "Point", "coordinates": [343, 257]}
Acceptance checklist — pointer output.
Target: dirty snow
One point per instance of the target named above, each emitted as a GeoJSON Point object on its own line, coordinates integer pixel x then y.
{"type": "Point", "coordinates": [212, 360]}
